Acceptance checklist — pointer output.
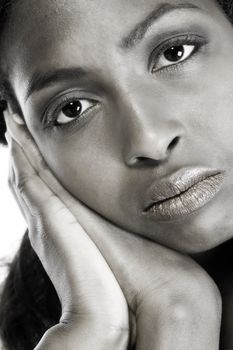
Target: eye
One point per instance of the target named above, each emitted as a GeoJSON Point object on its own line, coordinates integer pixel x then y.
{"type": "Point", "coordinates": [71, 110]}
{"type": "Point", "coordinates": [176, 50]}
{"type": "Point", "coordinates": [175, 54]}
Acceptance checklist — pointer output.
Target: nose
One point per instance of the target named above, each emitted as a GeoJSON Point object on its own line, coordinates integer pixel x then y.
{"type": "Point", "coordinates": [152, 144]}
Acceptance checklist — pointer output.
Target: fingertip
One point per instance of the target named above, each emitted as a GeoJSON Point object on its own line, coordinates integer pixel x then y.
{"type": "Point", "coordinates": [14, 123]}
{"type": "Point", "coordinates": [15, 118]}
{"type": "Point", "coordinates": [12, 118]}
{"type": "Point", "coordinates": [18, 119]}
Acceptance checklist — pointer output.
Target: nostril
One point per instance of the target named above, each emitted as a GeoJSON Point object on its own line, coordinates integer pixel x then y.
{"type": "Point", "coordinates": [145, 160]}
{"type": "Point", "coordinates": [173, 143]}
{"type": "Point", "coordinates": [142, 159]}
{"type": "Point", "coordinates": [154, 154]}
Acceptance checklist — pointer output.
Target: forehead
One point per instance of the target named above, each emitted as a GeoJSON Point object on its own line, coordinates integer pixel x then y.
{"type": "Point", "coordinates": [62, 19]}
{"type": "Point", "coordinates": [31, 20]}
{"type": "Point", "coordinates": [62, 32]}
{"type": "Point", "coordinates": [63, 15]}
{"type": "Point", "coordinates": [45, 28]}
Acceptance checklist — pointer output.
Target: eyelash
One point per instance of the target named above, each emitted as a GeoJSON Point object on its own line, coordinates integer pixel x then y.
{"type": "Point", "coordinates": [51, 115]}
{"type": "Point", "coordinates": [189, 39]}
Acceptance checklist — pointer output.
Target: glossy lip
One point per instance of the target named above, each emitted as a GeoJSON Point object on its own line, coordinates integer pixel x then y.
{"type": "Point", "coordinates": [182, 192]}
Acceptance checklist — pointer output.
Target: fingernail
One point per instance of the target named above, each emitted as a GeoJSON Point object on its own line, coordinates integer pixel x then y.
{"type": "Point", "coordinates": [19, 120]}
{"type": "Point", "coordinates": [15, 118]}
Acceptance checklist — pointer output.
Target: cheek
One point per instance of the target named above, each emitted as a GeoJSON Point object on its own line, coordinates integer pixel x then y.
{"type": "Point", "coordinates": [207, 113]}
{"type": "Point", "coordinates": [88, 167]}
{"type": "Point", "coordinates": [218, 123]}
{"type": "Point", "coordinates": [219, 97]}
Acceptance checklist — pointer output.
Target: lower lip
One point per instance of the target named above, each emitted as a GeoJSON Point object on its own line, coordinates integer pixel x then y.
{"type": "Point", "coordinates": [187, 202]}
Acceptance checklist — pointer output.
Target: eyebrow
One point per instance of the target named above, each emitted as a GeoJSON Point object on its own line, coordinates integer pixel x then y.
{"type": "Point", "coordinates": [138, 33]}
{"type": "Point", "coordinates": [41, 80]}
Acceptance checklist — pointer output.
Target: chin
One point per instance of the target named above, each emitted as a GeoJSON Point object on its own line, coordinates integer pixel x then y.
{"type": "Point", "coordinates": [195, 234]}
{"type": "Point", "coordinates": [201, 241]}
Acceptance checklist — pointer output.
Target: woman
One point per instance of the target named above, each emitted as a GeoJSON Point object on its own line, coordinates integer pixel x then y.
{"type": "Point", "coordinates": [119, 120]}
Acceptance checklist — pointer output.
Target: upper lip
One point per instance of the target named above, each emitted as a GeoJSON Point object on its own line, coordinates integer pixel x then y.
{"type": "Point", "coordinates": [176, 183]}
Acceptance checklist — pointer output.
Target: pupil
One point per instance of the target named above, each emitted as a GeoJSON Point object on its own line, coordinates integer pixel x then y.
{"type": "Point", "coordinates": [174, 53]}
{"type": "Point", "coordinates": [72, 109]}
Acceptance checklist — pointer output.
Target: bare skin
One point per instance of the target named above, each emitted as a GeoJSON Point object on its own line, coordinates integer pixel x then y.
{"type": "Point", "coordinates": [163, 289]}
{"type": "Point", "coordinates": [143, 117]}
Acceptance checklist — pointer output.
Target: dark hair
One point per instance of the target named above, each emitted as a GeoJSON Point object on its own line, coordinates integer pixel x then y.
{"type": "Point", "coordinates": [29, 304]}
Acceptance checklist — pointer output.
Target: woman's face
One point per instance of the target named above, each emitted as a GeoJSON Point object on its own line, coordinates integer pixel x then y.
{"type": "Point", "coordinates": [119, 96]}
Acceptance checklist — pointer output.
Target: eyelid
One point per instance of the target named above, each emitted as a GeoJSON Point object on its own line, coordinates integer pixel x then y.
{"type": "Point", "coordinates": [182, 39]}
{"type": "Point", "coordinates": [84, 110]}
{"type": "Point", "coordinates": [60, 100]}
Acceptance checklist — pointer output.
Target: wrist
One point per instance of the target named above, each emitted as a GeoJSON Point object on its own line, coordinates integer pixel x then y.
{"type": "Point", "coordinates": [86, 335]}
{"type": "Point", "coordinates": [100, 335]}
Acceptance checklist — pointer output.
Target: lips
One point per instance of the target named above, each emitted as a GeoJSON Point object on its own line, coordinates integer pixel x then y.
{"type": "Point", "coordinates": [182, 192]}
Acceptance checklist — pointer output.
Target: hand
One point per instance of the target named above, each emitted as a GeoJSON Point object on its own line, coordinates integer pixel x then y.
{"type": "Point", "coordinates": [169, 295]}
{"type": "Point", "coordinates": [94, 310]}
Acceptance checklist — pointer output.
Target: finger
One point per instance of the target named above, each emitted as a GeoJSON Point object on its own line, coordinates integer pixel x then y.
{"type": "Point", "coordinates": [33, 155]}
{"type": "Point", "coordinates": [24, 176]}
{"type": "Point", "coordinates": [155, 328]}
{"type": "Point", "coordinates": [36, 160]}
{"type": "Point", "coordinates": [11, 179]}
{"type": "Point", "coordinates": [59, 232]}
{"type": "Point", "coordinates": [21, 135]}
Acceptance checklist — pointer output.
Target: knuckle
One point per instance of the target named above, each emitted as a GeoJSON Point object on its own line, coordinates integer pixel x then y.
{"type": "Point", "coordinates": [23, 183]}
{"type": "Point", "coordinates": [43, 233]}
{"type": "Point", "coordinates": [42, 164]}
{"type": "Point", "coordinates": [42, 168]}
{"type": "Point", "coordinates": [37, 234]}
